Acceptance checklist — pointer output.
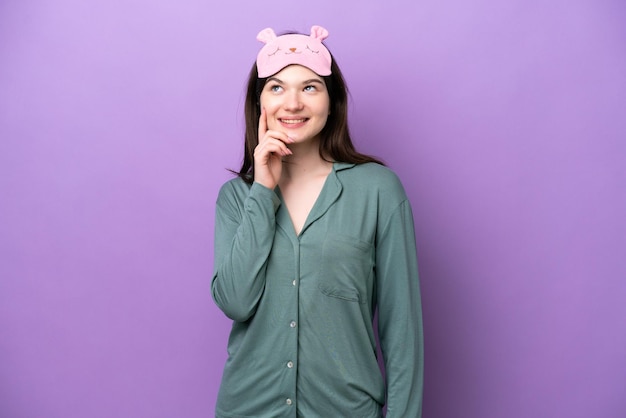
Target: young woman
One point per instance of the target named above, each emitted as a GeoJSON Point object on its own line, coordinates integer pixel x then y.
{"type": "Point", "coordinates": [311, 239]}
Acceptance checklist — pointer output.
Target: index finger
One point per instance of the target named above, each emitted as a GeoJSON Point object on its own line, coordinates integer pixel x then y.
{"type": "Point", "coordinates": [262, 124]}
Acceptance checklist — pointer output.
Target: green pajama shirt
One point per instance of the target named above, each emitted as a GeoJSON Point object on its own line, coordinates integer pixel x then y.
{"type": "Point", "coordinates": [302, 342]}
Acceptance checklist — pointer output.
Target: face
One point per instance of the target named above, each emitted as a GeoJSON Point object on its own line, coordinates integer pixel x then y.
{"type": "Point", "coordinates": [296, 102]}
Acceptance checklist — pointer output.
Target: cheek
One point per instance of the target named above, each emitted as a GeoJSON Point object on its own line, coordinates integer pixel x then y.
{"type": "Point", "coordinates": [325, 106]}
{"type": "Point", "coordinates": [324, 110]}
{"type": "Point", "coordinates": [270, 106]}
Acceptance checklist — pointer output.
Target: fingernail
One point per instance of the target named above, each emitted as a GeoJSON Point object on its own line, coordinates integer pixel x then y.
{"type": "Point", "coordinates": [291, 139]}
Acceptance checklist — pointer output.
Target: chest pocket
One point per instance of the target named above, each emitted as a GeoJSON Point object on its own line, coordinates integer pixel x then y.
{"type": "Point", "coordinates": [347, 269]}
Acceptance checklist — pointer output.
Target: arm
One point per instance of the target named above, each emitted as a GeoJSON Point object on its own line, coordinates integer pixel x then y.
{"type": "Point", "coordinates": [244, 233]}
{"type": "Point", "coordinates": [244, 236]}
{"type": "Point", "coordinates": [400, 314]}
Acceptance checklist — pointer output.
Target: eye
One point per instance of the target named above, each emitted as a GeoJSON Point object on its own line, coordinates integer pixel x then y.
{"type": "Point", "coordinates": [315, 52]}
{"type": "Point", "coordinates": [310, 88]}
{"type": "Point", "coordinates": [275, 88]}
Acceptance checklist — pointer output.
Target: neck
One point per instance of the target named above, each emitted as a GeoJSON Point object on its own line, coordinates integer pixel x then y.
{"type": "Point", "coordinates": [305, 162]}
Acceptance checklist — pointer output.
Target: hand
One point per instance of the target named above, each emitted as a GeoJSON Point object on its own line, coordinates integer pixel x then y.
{"type": "Point", "coordinates": [268, 155]}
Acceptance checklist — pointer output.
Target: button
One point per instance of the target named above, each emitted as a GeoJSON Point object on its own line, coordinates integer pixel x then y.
{"type": "Point", "coordinates": [292, 324]}
{"type": "Point", "coordinates": [293, 283]}
{"type": "Point", "coordinates": [288, 401]}
{"type": "Point", "coordinates": [290, 364]}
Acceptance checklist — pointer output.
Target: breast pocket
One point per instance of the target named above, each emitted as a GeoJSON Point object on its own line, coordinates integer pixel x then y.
{"type": "Point", "coordinates": [347, 269]}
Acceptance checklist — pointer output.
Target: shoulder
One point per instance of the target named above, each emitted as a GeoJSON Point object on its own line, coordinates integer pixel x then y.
{"type": "Point", "coordinates": [371, 176]}
{"type": "Point", "coordinates": [233, 193]}
{"type": "Point", "coordinates": [233, 187]}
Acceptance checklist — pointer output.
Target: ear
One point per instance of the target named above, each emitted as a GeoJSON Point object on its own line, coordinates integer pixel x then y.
{"type": "Point", "coordinates": [319, 33]}
{"type": "Point", "coordinates": [266, 35]}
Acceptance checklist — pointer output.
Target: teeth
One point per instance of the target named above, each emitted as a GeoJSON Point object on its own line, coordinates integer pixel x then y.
{"type": "Point", "coordinates": [292, 121]}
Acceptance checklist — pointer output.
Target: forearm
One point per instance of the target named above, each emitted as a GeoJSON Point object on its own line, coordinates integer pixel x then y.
{"type": "Point", "coordinates": [243, 241]}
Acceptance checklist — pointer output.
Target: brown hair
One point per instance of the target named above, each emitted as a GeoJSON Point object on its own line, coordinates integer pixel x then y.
{"type": "Point", "coordinates": [335, 143]}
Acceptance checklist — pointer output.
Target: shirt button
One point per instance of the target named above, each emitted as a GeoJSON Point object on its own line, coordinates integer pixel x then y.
{"type": "Point", "coordinates": [288, 401]}
{"type": "Point", "coordinates": [290, 364]}
{"type": "Point", "coordinates": [292, 324]}
{"type": "Point", "coordinates": [293, 283]}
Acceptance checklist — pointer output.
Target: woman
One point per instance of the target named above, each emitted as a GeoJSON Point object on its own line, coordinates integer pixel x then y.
{"type": "Point", "coordinates": [310, 240]}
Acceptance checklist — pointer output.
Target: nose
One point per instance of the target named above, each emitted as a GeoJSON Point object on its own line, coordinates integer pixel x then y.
{"type": "Point", "coordinates": [292, 101]}
{"type": "Point", "coordinates": [293, 49]}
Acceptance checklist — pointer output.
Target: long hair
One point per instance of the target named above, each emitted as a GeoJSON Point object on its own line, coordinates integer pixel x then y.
{"type": "Point", "coordinates": [335, 142]}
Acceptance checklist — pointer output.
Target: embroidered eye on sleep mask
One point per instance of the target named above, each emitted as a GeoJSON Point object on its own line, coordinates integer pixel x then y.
{"type": "Point", "coordinates": [281, 51]}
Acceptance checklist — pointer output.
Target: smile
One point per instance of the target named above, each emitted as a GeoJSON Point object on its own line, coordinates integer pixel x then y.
{"type": "Point", "coordinates": [293, 121]}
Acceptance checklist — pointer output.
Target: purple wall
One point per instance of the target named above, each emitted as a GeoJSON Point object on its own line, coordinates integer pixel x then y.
{"type": "Point", "coordinates": [506, 121]}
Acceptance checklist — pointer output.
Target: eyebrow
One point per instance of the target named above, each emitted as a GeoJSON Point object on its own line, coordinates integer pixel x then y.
{"type": "Point", "coordinates": [309, 81]}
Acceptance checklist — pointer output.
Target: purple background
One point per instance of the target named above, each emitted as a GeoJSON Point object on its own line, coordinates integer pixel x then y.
{"type": "Point", "coordinates": [506, 121]}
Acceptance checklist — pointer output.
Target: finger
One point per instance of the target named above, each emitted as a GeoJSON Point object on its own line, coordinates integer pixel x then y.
{"type": "Point", "coordinates": [272, 146]}
{"type": "Point", "coordinates": [264, 133]}
{"type": "Point", "coordinates": [262, 124]}
{"type": "Point", "coordinates": [281, 136]}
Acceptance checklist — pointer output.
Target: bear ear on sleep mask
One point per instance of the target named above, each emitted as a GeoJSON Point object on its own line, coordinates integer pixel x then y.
{"type": "Point", "coordinates": [281, 51]}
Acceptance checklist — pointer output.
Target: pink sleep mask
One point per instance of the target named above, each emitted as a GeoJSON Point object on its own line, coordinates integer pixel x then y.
{"type": "Point", "coordinates": [284, 50]}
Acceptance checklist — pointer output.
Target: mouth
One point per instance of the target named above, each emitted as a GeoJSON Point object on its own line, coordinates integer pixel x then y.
{"type": "Point", "coordinates": [292, 121]}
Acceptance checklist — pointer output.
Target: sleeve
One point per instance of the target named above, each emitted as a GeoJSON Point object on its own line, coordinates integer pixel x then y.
{"type": "Point", "coordinates": [244, 234]}
{"type": "Point", "coordinates": [400, 314]}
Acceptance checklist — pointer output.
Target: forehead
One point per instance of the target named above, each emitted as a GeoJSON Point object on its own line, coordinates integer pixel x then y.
{"type": "Point", "coordinates": [295, 74]}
